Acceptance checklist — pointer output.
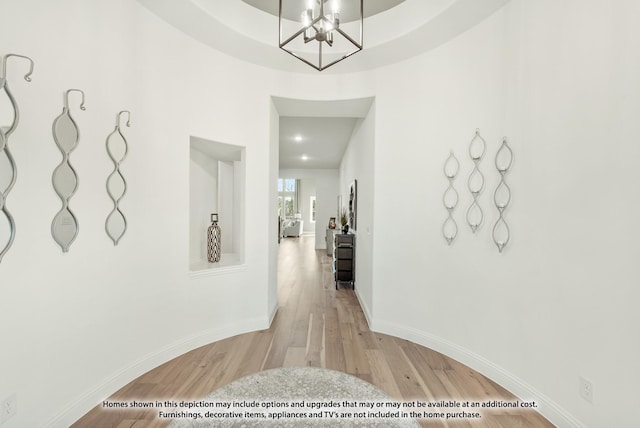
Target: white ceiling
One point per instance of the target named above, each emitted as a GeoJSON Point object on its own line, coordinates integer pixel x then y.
{"type": "Point", "coordinates": [349, 10]}
{"type": "Point", "coordinates": [325, 128]}
{"type": "Point", "coordinates": [394, 30]}
{"type": "Point", "coordinates": [248, 33]}
{"type": "Point", "coordinates": [323, 141]}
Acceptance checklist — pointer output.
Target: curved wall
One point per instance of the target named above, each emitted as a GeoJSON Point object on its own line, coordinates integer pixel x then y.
{"type": "Point", "coordinates": [78, 325]}
{"type": "Point", "coordinates": [561, 81]}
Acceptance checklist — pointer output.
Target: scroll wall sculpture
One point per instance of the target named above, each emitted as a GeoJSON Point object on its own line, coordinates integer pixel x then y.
{"type": "Point", "coordinates": [9, 118]}
{"type": "Point", "coordinates": [502, 195]}
{"type": "Point", "coordinates": [117, 148]}
{"type": "Point", "coordinates": [475, 183]}
{"type": "Point", "coordinates": [64, 227]}
{"type": "Point", "coordinates": [450, 198]}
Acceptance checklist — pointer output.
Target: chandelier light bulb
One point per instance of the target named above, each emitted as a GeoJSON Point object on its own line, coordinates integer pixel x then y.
{"type": "Point", "coordinates": [335, 6]}
{"type": "Point", "coordinates": [335, 15]}
{"type": "Point", "coordinates": [329, 25]}
{"type": "Point", "coordinates": [305, 18]}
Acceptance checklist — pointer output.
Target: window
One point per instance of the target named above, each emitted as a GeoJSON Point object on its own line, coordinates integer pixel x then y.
{"type": "Point", "coordinates": [287, 185]}
{"type": "Point", "coordinates": [285, 206]}
{"type": "Point", "coordinates": [288, 206]}
{"type": "Point", "coordinates": [312, 209]}
{"type": "Point", "coordinates": [286, 196]}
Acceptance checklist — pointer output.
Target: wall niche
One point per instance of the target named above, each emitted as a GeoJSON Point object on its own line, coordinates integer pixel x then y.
{"type": "Point", "coordinates": [216, 185]}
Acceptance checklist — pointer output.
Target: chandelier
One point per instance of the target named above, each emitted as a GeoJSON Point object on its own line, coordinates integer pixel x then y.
{"type": "Point", "coordinates": [318, 36]}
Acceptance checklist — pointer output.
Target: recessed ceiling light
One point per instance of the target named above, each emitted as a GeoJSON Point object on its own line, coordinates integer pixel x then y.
{"type": "Point", "coordinates": [305, 157]}
{"type": "Point", "coordinates": [298, 138]}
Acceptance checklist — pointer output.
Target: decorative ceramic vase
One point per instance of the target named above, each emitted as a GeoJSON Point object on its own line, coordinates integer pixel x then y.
{"type": "Point", "coordinates": [345, 229]}
{"type": "Point", "coordinates": [213, 240]}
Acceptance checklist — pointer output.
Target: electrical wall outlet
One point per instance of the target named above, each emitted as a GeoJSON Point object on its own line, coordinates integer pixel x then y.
{"type": "Point", "coordinates": [8, 408]}
{"type": "Point", "coordinates": [586, 389]}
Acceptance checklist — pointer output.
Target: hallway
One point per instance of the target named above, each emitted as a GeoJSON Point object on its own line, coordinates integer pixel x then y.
{"type": "Point", "coordinates": [316, 325]}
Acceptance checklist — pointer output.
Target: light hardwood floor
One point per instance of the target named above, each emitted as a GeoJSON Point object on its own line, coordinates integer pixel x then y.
{"type": "Point", "coordinates": [316, 325]}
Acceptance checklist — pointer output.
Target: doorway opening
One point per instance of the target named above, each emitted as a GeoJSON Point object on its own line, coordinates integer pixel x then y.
{"type": "Point", "coordinates": [309, 141]}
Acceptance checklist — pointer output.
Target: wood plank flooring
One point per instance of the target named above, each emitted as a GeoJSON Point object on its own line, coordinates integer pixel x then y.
{"type": "Point", "coordinates": [316, 325]}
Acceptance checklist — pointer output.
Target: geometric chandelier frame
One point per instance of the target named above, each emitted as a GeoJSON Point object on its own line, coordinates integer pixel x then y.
{"type": "Point", "coordinates": [323, 28]}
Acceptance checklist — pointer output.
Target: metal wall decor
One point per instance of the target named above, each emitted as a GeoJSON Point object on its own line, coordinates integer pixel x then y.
{"type": "Point", "coordinates": [214, 240]}
{"type": "Point", "coordinates": [502, 195]}
{"type": "Point", "coordinates": [64, 227]}
{"type": "Point", "coordinates": [117, 148]}
{"type": "Point", "coordinates": [8, 123]}
{"type": "Point", "coordinates": [475, 183]}
{"type": "Point", "coordinates": [353, 205]}
{"type": "Point", "coordinates": [450, 198]}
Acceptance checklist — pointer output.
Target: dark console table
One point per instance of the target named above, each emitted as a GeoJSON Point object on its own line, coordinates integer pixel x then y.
{"type": "Point", "coordinates": [344, 258]}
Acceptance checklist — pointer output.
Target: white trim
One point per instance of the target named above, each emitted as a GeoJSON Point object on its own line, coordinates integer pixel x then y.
{"type": "Point", "coordinates": [548, 408]}
{"type": "Point", "coordinates": [215, 271]}
{"type": "Point", "coordinates": [365, 309]}
{"type": "Point", "coordinates": [273, 313]}
{"type": "Point", "coordinates": [87, 401]}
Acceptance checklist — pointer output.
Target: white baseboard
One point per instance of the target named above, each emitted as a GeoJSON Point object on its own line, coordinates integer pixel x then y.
{"type": "Point", "coordinates": [105, 389]}
{"type": "Point", "coordinates": [365, 309]}
{"type": "Point", "coordinates": [547, 407]}
{"type": "Point", "coordinates": [272, 313]}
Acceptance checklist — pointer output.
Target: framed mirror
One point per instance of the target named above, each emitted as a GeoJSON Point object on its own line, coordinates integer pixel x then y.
{"type": "Point", "coordinates": [7, 179]}
{"type": "Point", "coordinates": [9, 118]}
{"type": "Point", "coordinates": [66, 135]}
{"type": "Point", "coordinates": [8, 110]}
{"type": "Point", "coordinates": [475, 182]}
{"type": "Point", "coordinates": [117, 148]}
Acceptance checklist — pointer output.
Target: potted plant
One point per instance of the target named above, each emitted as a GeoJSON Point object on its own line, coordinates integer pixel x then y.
{"type": "Point", "coordinates": [344, 220]}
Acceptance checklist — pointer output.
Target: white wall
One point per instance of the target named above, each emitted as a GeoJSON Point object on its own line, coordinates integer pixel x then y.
{"type": "Point", "coordinates": [560, 79]}
{"type": "Point", "coordinates": [203, 200]}
{"type": "Point", "coordinates": [326, 190]}
{"type": "Point", "coordinates": [226, 196]}
{"type": "Point", "coordinates": [579, 93]}
{"type": "Point", "coordinates": [238, 227]}
{"type": "Point", "coordinates": [307, 190]}
{"type": "Point", "coordinates": [358, 164]}
{"type": "Point", "coordinates": [272, 209]}
{"type": "Point", "coordinates": [77, 326]}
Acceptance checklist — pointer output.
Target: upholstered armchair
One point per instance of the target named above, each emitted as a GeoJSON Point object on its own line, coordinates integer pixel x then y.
{"type": "Point", "coordinates": [292, 227]}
